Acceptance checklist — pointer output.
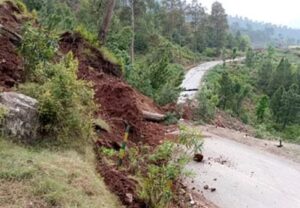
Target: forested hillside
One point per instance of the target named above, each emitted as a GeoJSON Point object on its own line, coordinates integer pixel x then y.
{"type": "Point", "coordinates": [264, 34]}
{"type": "Point", "coordinates": [161, 36]}
{"type": "Point", "coordinates": [262, 92]}
{"type": "Point", "coordinates": [90, 91]}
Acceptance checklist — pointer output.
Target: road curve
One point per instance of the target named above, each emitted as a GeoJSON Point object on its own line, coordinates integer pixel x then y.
{"type": "Point", "coordinates": [194, 77]}
{"type": "Point", "coordinates": [245, 177]}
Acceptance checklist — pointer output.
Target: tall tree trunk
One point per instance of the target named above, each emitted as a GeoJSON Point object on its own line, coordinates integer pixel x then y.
{"type": "Point", "coordinates": [106, 21]}
{"type": "Point", "coordinates": [133, 31]}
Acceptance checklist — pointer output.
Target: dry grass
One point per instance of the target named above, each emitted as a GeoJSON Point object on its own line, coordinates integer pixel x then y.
{"type": "Point", "coordinates": [43, 178]}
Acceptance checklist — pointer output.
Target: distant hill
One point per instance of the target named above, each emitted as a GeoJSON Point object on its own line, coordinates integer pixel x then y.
{"type": "Point", "coordinates": [263, 34]}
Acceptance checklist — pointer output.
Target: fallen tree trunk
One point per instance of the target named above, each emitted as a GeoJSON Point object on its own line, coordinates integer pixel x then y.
{"type": "Point", "coordinates": [156, 117]}
{"type": "Point", "coordinates": [14, 37]}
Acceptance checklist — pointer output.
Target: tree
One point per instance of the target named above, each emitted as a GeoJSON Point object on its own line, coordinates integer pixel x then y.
{"type": "Point", "coordinates": [250, 58]}
{"type": "Point", "coordinates": [276, 102]}
{"type": "Point", "coordinates": [198, 25]}
{"type": "Point", "coordinates": [106, 21]}
{"type": "Point", "coordinates": [218, 26]}
{"type": "Point", "coordinates": [133, 30]}
{"type": "Point", "coordinates": [290, 109]}
{"type": "Point", "coordinates": [234, 54]}
{"type": "Point", "coordinates": [240, 93]}
{"type": "Point", "coordinates": [265, 74]}
{"type": "Point", "coordinates": [243, 42]}
{"type": "Point", "coordinates": [173, 20]}
{"type": "Point", "coordinates": [226, 91]}
{"type": "Point", "coordinates": [281, 76]}
{"type": "Point", "coordinates": [261, 108]}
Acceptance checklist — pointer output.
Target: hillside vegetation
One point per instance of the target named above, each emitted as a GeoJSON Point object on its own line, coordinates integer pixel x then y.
{"type": "Point", "coordinates": [264, 34]}
{"type": "Point", "coordinates": [33, 177]}
{"type": "Point", "coordinates": [80, 84]}
{"type": "Point", "coordinates": [263, 92]}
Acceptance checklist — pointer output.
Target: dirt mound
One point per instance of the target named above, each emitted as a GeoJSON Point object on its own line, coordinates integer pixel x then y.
{"type": "Point", "coordinates": [224, 120]}
{"type": "Point", "coordinates": [119, 103]}
{"type": "Point", "coordinates": [120, 184]}
{"type": "Point", "coordinates": [11, 64]}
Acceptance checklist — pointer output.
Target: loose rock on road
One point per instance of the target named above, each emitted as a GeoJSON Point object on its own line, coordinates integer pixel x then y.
{"type": "Point", "coordinates": [245, 177]}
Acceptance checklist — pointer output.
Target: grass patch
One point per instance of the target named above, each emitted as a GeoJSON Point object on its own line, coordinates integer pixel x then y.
{"type": "Point", "coordinates": [44, 178]}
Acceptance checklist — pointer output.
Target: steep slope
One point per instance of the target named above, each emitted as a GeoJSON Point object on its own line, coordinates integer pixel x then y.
{"type": "Point", "coordinates": [11, 64]}
{"type": "Point", "coordinates": [119, 103]}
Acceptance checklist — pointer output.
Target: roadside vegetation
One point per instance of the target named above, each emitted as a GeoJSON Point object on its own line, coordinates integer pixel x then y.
{"type": "Point", "coordinates": [153, 41]}
{"type": "Point", "coordinates": [33, 177]}
{"type": "Point", "coordinates": [158, 171]}
{"type": "Point", "coordinates": [262, 92]}
{"type": "Point", "coordinates": [58, 170]}
{"type": "Point", "coordinates": [150, 43]}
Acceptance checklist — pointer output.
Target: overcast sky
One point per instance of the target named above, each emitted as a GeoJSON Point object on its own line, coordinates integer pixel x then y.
{"type": "Point", "coordinates": [284, 12]}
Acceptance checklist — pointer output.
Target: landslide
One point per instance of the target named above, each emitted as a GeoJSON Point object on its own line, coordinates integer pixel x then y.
{"type": "Point", "coordinates": [119, 103]}
{"type": "Point", "coordinates": [11, 64]}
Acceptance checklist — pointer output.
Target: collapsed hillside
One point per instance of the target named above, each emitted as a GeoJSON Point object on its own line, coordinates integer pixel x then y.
{"type": "Point", "coordinates": [118, 103]}
{"type": "Point", "coordinates": [11, 64]}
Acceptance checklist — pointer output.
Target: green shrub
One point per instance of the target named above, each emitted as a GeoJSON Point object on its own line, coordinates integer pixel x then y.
{"type": "Point", "coordinates": [157, 186]}
{"type": "Point", "coordinates": [163, 152]}
{"type": "Point", "coordinates": [166, 166]}
{"type": "Point", "coordinates": [292, 133]}
{"type": "Point", "coordinates": [171, 118]}
{"type": "Point", "coordinates": [21, 6]}
{"type": "Point", "coordinates": [161, 80]}
{"type": "Point", "coordinates": [87, 35]}
{"type": "Point", "coordinates": [210, 52]}
{"type": "Point", "coordinates": [65, 103]}
{"type": "Point", "coordinates": [206, 108]}
{"type": "Point", "coordinates": [38, 46]}
{"type": "Point", "coordinates": [162, 174]}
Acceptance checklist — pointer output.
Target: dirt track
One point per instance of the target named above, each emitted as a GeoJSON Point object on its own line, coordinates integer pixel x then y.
{"type": "Point", "coordinates": [246, 175]}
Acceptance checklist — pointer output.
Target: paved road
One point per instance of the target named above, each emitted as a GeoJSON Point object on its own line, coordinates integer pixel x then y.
{"type": "Point", "coordinates": [245, 177]}
{"type": "Point", "coordinates": [194, 77]}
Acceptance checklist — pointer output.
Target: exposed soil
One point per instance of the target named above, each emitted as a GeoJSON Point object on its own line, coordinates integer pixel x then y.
{"type": "Point", "coordinates": [11, 64]}
{"type": "Point", "coordinates": [119, 105]}
{"type": "Point", "coordinates": [224, 120]}
{"type": "Point", "coordinates": [120, 184]}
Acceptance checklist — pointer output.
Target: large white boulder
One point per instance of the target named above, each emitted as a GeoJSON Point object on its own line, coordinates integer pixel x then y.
{"type": "Point", "coordinates": [21, 119]}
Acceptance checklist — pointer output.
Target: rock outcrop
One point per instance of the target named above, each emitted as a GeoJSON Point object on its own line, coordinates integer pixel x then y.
{"type": "Point", "coordinates": [21, 116]}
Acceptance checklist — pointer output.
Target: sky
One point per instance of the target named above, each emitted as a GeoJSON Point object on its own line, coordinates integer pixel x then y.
{"type": "Point", "coordinates": [281, 12]}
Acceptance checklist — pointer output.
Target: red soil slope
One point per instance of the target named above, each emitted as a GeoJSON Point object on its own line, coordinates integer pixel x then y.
{"type": "Point", "coordinates": [11, 65]}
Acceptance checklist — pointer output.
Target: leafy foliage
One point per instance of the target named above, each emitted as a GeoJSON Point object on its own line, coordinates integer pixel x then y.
{"type": "Point", "coordinates": [65, 103]}
{"type": "Point", "coordinates": [37, 46]}
{"type": "Point", "coordinates": [161, 80]}
{"type": "Point", "coordinates": [263, 92]}
{"type": "Point", "coordinates": [167, 166]}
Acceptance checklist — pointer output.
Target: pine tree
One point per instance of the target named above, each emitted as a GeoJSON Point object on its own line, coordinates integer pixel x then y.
{"type": "Point", "coordinates": [198, 26]}
{"type": "Point", "coordinates": [290, 109]}
{"type": "Point", "coordinates": [281, 76]}
{"type": "Point", "coordinates": [226, 91]}
{"type": "Point", "coordinates": [264, 74]}
{"type": "Point", "coordinates": [218, 26]}
{"type": "Point", "coordinates": [250, 58]}
{"type": "Point", "coordinates": [276, 102]}
{"type": "Point", "coordinates": [261, 108]}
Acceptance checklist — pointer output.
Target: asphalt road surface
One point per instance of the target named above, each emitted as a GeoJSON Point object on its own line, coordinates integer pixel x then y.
{"type": "Point", "coordinates": [193, 79]}
{"type": "Point", "coordinates": [245, 176]}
